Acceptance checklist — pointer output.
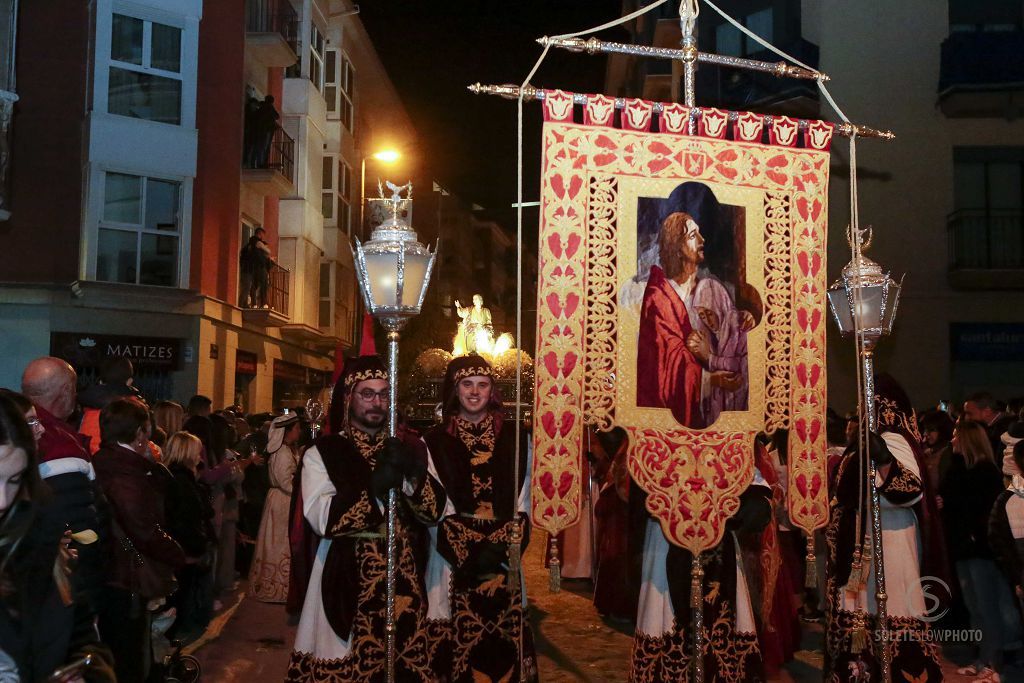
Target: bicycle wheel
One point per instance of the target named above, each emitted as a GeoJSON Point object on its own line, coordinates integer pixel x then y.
{"type": "Point", "coordinates": [185, 669]}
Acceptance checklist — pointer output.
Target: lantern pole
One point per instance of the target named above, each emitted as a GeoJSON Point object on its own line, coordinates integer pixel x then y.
{"type": "Point", "coordinates": [395, 254]}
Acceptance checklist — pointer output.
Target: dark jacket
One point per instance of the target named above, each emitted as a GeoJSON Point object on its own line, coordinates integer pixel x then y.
{"type": "Point", "coordinates": [135, 487]}
{"type": "Point", "coordinates": [968, 495]}
{"type": "Point", "coordinates": [37, 630]}
{"type": "Point", "coordinates": [188, 511]}
{"type": "Point", "coordinates": [74, 503]}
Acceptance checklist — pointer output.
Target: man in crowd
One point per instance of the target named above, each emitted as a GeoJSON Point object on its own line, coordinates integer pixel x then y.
{"type": "Point", "coordinates": [116, 377]}
{"type": "Point", "coordinates": [345, 479]}
{"type": "Point", "coordinates": [982, 407]}
{"type": "Point", "coordinates": [50, 383]}
{"type": "Point", "coordinates": [199, 405]}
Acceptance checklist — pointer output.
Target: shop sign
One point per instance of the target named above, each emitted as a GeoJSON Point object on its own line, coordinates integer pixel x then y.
{"type": "Point", "coordinates": [245, 362]}
{"type": "Point", "coordinates": [92, 350]}
{"type": "Point", "coordinates": [987, 341]}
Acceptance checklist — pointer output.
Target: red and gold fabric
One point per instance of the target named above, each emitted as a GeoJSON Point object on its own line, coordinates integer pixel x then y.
{"type": "Point", "coordinates": [598, 185]}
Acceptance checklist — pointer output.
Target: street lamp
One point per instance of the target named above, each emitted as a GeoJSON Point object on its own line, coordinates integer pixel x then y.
{"type": "Point", "coordinates": [393, 269]}
{"type": "Point", "coordinates": [863, 302]}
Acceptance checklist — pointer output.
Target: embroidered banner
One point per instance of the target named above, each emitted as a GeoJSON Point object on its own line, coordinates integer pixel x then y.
{"type": "Point", "coordinates": [681, 296]}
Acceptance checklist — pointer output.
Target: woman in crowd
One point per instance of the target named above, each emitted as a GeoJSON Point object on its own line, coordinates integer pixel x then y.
{"type": "Point", "coordinates": [144, 555]}
{"type": "Point", "coordinates": [41, 628]}
{"type": "Point", "coordinates": [271, 566]}
{"type": "Point", "coordinates": [168, 416]}
{"type": "Point", "coordinates": [190, 523]}
{"type": "Point", "coordinates": [969, 490]}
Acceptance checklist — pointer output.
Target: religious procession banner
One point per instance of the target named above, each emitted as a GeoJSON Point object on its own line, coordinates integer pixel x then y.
{"type": "Point", "coordinates": [681, 296]}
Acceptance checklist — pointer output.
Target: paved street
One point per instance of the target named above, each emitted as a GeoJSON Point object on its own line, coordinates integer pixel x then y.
{"type": "Point", "coordinates": [250, 641]}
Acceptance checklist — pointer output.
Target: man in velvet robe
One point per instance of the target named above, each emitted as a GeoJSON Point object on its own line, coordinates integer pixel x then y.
{"type": "Point", "coordinates": [692, 353]}
{"type": "Point", "coordinates": [480, 631]}
{"type": "Point", "coordinates": [345, 479]}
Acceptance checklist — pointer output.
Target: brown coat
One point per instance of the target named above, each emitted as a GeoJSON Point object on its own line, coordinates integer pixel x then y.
{"type": "Point", "coordinates": [135, 487]}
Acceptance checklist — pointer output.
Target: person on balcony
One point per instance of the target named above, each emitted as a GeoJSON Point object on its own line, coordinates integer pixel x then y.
{"type": "Point", "coordinates": [264, 123]}
{"type": "Point", "coordinates": [254, 265]}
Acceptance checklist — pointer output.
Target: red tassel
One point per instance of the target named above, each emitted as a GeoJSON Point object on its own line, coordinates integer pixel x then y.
{"type": "Point", "coordinates": [367, 345]}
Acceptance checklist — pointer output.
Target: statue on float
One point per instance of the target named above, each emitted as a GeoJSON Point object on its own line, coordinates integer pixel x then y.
{"type": "Point", "coordinates": [476, 333]}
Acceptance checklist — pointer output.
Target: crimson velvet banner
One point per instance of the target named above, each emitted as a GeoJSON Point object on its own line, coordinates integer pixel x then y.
{"type": "Point", "coordinates": [681, 296]}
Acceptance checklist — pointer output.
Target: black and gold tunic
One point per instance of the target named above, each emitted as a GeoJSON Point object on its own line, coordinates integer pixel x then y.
{"type": "Point", "coordinates": [341, 635]}
{"type": "Point", "coordinates": [487, 627]}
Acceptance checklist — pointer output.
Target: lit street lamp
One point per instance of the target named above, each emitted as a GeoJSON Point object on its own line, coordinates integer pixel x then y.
{"type": "Point", "coordinates": [393, 269]}
{"type": "Point", "coordinates": [863, 302]}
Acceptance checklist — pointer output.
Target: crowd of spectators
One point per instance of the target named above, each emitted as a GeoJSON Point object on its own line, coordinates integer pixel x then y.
{"type": "Point", "coordinates": [124, 526]}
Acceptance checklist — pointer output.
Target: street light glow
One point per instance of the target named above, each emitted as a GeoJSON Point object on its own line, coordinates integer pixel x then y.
{"type": "Point", "coordinates": [388, 156]}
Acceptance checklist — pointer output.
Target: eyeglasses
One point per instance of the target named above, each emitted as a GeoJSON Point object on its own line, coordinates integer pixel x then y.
{"type": "Point", "coordinates": [369, 395]}
{"type": "Point", "coordinates": [34, 423]}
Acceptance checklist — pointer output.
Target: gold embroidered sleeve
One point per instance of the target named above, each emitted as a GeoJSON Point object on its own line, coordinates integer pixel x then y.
{"type": "Point", "coordinates": [458, 538]}
{"type": "Point", "coordinates": [427, 503]}
{"type": "Point", "coordinates": [347, 517]}
{"type": "Point", "coordinates": [901, 486]}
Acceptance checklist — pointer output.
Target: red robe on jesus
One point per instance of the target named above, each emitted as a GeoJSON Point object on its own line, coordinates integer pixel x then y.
{"type": "Point", "coordinates": [668, 374]}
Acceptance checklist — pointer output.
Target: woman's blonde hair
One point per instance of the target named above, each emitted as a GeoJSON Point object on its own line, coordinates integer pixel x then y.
{"type": "Point", "coordinates": [168, 416]}
{"type": "Point", "coordinates": [182, 449]}
{"type": "Point", "coordinates": [973, 443]}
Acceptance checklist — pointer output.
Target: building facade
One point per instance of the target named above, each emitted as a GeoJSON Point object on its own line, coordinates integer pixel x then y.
{"type": "Point", "coordinates": [136, 184]}
{"type": "Point", "coordinates": [944, 199]}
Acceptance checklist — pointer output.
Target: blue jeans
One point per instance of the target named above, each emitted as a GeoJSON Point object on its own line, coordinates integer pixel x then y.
{"type": "Point", "coordinates": [992, 608]}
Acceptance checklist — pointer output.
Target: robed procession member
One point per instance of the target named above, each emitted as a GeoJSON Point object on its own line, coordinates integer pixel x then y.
{"type": "Point", "coordinates": [663, 640]}
{"type": "Point", "coordinates": [477, 605]}
{"type": "Point", "coordinates": [345, 478]}
{"type": "Point", "coordinates": [271, 564]}
{"type": "Point", "coordinates": [911, 548]}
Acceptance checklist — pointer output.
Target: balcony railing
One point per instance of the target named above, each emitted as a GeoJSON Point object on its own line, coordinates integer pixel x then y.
{"type": "Point", "coordinates": [981, 74]}
{"type": "Point", "coordinates": [279, 155]}
{"type": "Point", "coordinates": [278, 288]}
{"type": "Point", "coordinates": [986, 239]}
{"type": "Point", "coordinates": [273, 16]}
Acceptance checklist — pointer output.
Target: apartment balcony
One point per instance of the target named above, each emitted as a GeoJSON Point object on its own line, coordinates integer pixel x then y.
{"type": "Point", "coordinates": [269, 167]}
{"type": "Point", "coordinates": [986, 249]}
{"type": "Point", "coordinates": [274, 313]}
{"type": "Point", "coordinates": [271, 32]}
{"type": "Point", "coordinates": [981, 75]}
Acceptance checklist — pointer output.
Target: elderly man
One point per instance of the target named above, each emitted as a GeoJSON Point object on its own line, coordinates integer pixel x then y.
{"type": "Point", "coordinates": [345, 479]}
{"type": "Point", "coordinates": [476, 602]}
{"type": "Point", "coordinates": [50, 383]}
{"type": "Point", "coordinates": [982, 407]}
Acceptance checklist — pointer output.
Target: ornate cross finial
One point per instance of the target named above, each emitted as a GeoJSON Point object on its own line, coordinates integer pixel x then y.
{"type": "Point", "coordinates": [863, 237]}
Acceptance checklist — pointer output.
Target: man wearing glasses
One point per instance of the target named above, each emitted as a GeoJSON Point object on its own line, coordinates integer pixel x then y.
{"type": "Point", "coordinates": [345, 478]}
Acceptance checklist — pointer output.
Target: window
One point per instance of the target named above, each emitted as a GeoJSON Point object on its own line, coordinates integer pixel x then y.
{"type": "Point", "coordinates": [336, 193]}
{"type": "Point", "coordinates": [326, 301]}
{"type": "Point", "coordinates": [145, 70]}
{"type": "Point", "coordinates": [316, 58]}
{"type": "Point", "coordinates": [339, 88]}
{"type": "Point", "coordinates": [987, 224]}
{"type": "Point", "coordinates": [139, 231]}
{"type": "Point", "coordinates": [730, 41]}
{"type": "Point", "coordinates": [327, 189]}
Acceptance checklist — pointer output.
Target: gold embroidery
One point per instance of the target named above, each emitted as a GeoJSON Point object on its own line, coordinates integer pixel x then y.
{"type": "Point", "coordinates": [477, 437]}
{"type": "Point", "coordinates": [355, 518]}
{"type": "Point", "coordinates": [472, 371]}
{"type": "Point", "coordinates": [370, 373]}
{"type": "Point", "coordinates": [904, 481]}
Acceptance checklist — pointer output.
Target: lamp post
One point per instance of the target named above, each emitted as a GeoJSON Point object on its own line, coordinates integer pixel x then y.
{"type": "Point", "coordinates": [393, 269]}
{"type": "Point", "coordinates": [863, 302]}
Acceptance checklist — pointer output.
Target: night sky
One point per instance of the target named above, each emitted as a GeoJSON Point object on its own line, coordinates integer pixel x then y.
{"type": "Point", "coordinates": [432, 51]}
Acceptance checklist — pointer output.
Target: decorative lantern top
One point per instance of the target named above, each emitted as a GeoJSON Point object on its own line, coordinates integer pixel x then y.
{"type": "Point", "coordinates": [393, 268]}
